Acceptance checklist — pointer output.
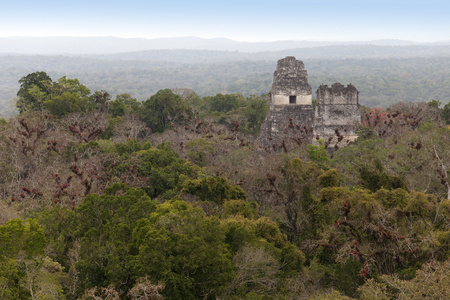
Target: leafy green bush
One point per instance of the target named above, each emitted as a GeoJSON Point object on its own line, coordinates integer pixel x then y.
{"type": "Point", "coordinates": [329, 179]}
{"type": "Point", "coordinates": [215, 189]}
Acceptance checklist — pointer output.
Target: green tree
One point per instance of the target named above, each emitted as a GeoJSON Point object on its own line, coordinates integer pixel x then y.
{"type": "Point", "coordinates": [68, 102]}
{"type": "Point", "coordinates": [68, 85]}
{"type": "Point", "coordinates": [446, 113]}
{"type": "Point", "coordinates": [38, 92]}
{"type": "Point", "coordinates": [317, 153]}
{"type": "Point", "coordinates": [34, 88]}
{"type": "Point", "coordinates": [104, 225]}
{"type": "Point", "coordinates": [262, 256]}
{"type": "Point", "coordinates": [162, 110]}
{"type": "Point", "coordinates": [69, 96]}
{"type": "Point", "coordinates": [165, 171]}
{"type": "Point", "coordinates": [329, 178]}
{"type": "Point", "coordinates": [15, 236]}
{"type": "Point", "coordinates": [61, 234]}
{"type": "Point", "coordinates": [255, 111]}
{"type": "Point", "coordinates": [240, 207]}
{"type": "Point", "coordinates": [25, 272]}
{"type": "Point", "coordinates": [182, 247]}
{"type": "Point", "coordinates": [215, 189]}
{"type": "Point", "coordinates": [365, 234]}
{"type": "Point", "coordinates": [224, 103]}
{"type": "Point", "coordinates": [124, 104]}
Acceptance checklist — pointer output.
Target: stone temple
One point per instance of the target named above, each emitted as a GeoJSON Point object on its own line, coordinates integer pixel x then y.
{"type": "Point", "coordinates": [293, 120]}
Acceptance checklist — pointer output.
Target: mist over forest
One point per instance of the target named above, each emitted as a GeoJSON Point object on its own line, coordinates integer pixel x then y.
{"type": "Point", "coordinates": [151, 175]}
{"type": "Point", "coordinates": [113, 45]}
{"type": "Point", "coordinates": [385, 72]}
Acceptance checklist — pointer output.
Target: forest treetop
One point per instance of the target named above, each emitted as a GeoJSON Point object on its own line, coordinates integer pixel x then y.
{"type": "Point", "coordinates": [172, 197]}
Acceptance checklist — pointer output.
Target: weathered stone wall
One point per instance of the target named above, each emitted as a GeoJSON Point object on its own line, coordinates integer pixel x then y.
{"type": "Point", "coordinates": [337, 107]}
{"type": "Point", "coordinates": [287, 123]}
{"type": "Point", "coordinates": [291, 79]}
{"type": "Point", "coordinates": [337, 94]}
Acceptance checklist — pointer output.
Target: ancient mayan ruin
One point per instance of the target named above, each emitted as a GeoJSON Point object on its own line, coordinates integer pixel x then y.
{"type": "Point", "coordinates": [292, 119]}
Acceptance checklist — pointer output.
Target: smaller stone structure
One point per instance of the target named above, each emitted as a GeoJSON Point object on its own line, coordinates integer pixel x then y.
{"type": "Point", "coordinates": [337, 112]}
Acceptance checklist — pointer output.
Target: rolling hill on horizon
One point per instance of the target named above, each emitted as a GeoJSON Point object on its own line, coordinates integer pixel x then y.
{"type": "Point", "coordinates": [114, 45]}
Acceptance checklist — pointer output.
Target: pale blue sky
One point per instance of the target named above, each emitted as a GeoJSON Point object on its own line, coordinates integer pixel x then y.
{"type": "Point", "coordinates": [242, 20]}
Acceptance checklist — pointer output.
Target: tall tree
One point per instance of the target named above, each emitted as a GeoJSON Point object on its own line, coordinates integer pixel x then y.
{"type": "Point", "coordinates": [162, 109]}
{"type": "Point", "coordinates": [33, 89]}
{"type": "Point", "coordinates": [68, 96]}
{"type": "Point", "coordinates": [123, 105]}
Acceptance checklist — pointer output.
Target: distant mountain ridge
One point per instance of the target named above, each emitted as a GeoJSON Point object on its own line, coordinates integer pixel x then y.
{"type": "Point", "coordinates": [324, 52]}
{"type": "Point", "coordinates": [114, 45]}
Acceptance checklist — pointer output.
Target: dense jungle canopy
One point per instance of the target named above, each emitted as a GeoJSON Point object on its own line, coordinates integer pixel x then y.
{"type": "Point", "coordinates": [104, 196]}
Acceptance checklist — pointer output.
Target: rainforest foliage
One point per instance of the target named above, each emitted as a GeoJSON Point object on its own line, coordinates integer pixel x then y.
{"type": "Point", "coordinates": [384, 76]}
{"type": "Point", "coordinates": [172, 198]}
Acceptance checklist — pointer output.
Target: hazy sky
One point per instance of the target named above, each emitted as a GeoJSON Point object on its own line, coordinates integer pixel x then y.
{"type": "Point", "coordinates": [242, 20]}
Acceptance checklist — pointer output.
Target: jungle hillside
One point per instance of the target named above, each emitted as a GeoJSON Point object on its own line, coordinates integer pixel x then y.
{"type": "Point", "coordinates": [162, 191]}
